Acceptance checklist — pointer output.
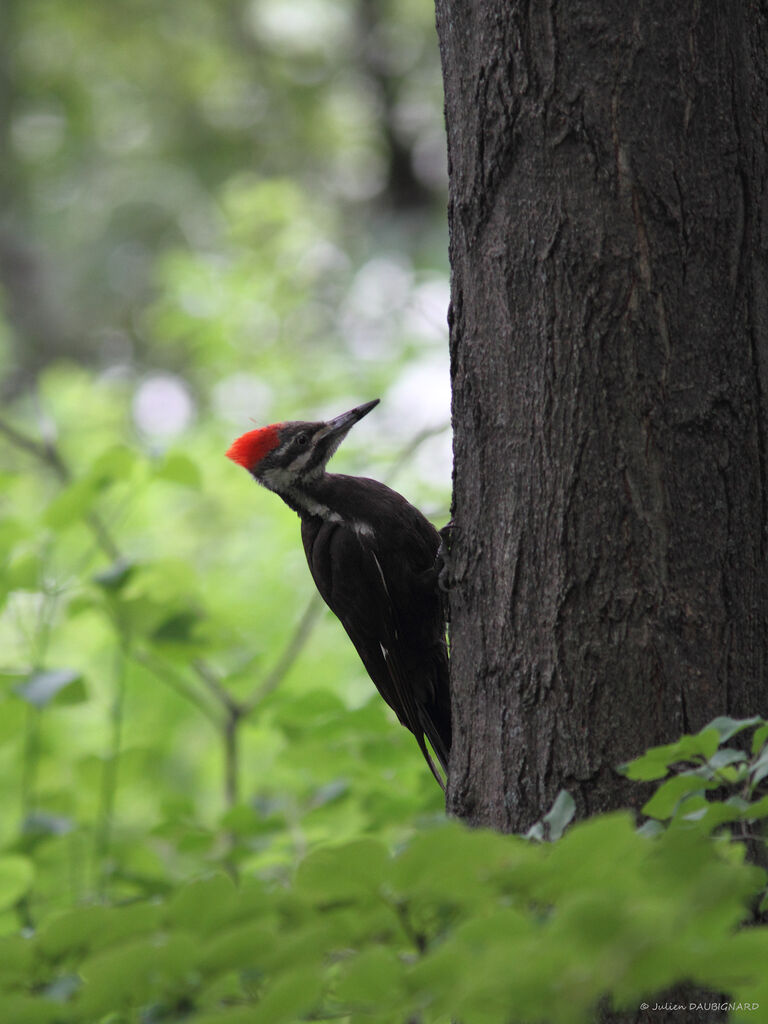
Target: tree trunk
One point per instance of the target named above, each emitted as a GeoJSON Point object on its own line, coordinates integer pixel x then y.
{"type": "Point", "coordinates": [609, 346]}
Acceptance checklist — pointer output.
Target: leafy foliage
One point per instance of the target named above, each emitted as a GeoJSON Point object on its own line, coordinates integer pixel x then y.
{"type": "Point", "coordinates": [290, 860]}
{"type": "Point", "coordinates": [286, 918]}
{"type": "Point", "coordinates": [205, 819]}
{"type": "Point", "coordinates": [228, 159]}
{"type": "Point", "coordinates": [184, 661]}
{"type": "Point", "coordinates": [189, 194]}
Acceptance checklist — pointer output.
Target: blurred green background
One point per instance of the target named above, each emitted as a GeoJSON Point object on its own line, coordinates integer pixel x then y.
{"type": "Point", "coordinates": [208, 213]}
{"type": "Point", "coordinates": [213, 211]}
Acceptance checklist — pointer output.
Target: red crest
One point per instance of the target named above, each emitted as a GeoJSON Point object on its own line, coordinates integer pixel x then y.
{"type": "Point", "coordinates": [249, 449]}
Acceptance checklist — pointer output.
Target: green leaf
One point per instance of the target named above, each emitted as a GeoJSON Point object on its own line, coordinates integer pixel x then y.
{"type": "Point", "coordinates": [24, 570]}
{"type": "Point", "coordinates": [238, 948]}
{"type": "Point", "coordinates": [9, 922]}
{"type": "Point", "coordinates": [179, 469]}
{"type": "Point", "coordinates": [759, 739]}
{"type": "Point", "coordinates": [202, 905]}
{"type": "Point", "coordinates": [16, 960]}
{"type": "Point", "coordinates": [561, 814]}
{"type": "Point", "coordinates": [554, 823]}
{"type": "Point", "coordinates": [373, 980]}
{"type": "Point", "coordinates": [115, 575]}
{"type": "Point", "coordinates": [759, 769]}
{"type": "Point", "coordinates": [289, 997]}
{"type": "Point", "coordinates": [11, 532]}
{"type": "Point", "coordinates": [128, 976]}
{"type": "Point", "coordinates": [178, 628]}
{"type": "Point", "coordinates": [62, 989]}
{"type": "Point", "coordinates": [62, 686]}
{"type": "Point", "coordinates": [344, 872]}
{"type": "Point", "coordinates": [650, 829]}
{"type": "Point", "coordinates": [42, 823]}
{"type": "Point", "coordinates": [85, 929]}
{"type": "Point", "coordinates": [127, 922]}
{"type": "Point", "coordinates": [12, 715]}
{"type": "Point", "coordinates": [71, 504]}
{"type": "Point", "coordinates": [757, 810]}
{"type": "Point", "coordinates": [70, 932]}
{"type": "Point", "coordinates": [165, 581]}
{"type": "Point", "coordinates": [232, 1015]}
{"type": "Point", "coordinates": [656, 762]}
{"type": "Point", "coordinates": [242, 820]}
{"type": "Point", "coordinates": [727, 727]}
{"type": "Point", "coordinates": [710, 816]}
{"type": "Point", "coordinates": [114, 463]}
{"type": "Point", "coordinates": [23, 1009]}
{"type": "Point", "coordinates": [16, 876]}
{"type": "Point", "coordinates": [457, 865]}
{"type": "Point", "coordinates": [669, 795]}
{"type": "Point", "coordinates": [725, 756]}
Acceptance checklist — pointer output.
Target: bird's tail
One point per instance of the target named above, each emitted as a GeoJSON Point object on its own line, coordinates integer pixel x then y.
{"type": "Point", "coordinates": [436, 725]}
{"type": "Point", "coordinates": [442, 782]}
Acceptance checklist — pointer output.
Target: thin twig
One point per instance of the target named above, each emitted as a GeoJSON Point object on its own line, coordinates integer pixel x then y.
{"type": "Point", "coordinates": [45, 451]}
{"type": "Point", "coordinates": [108, 790]}
{"type": "Point", "coordinates": [292, 649]}
{"type": "Point", "coordinates": [24, 442]}
{"type": "Point", "coordinates": [412, 447]}
{"type": "Point", "coordinates": [216, 687]}
{"type": "Point", "coordinates": [233, 716]}
{"type": "Point", "coordinates": [103, 536]}
{"type": "Point", "coordinates": [231, 760]}
{"type": "Point", "coordinates": [168, 676]}
{"type": "Point", "coordinates": [48, 453]}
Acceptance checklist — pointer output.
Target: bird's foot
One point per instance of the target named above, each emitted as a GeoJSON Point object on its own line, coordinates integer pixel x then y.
{"type": "Point", "coordinates": [445, 580]}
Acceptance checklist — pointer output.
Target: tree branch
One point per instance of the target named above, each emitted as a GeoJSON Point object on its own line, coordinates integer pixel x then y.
{"type": "Point", "coordinates": [168, 676]}
{"type": "Point", "coordinates": [27, 444]}
{"type": "Point", "coordinates": [48, 453]}
{"type": "Point", "coordinates": [216, 688]}
{"type": "Point", "coordinates": [290, 653]}
{"type": "Point", "coordinates": [410, 449]}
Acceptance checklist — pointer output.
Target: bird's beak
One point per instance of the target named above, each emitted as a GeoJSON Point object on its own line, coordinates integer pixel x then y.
{"type": "Point", "coordinates": [339, 425]}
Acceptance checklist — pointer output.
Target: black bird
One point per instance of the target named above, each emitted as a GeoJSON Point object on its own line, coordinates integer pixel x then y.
{"type": "Point", "coordinates": [373, 557]}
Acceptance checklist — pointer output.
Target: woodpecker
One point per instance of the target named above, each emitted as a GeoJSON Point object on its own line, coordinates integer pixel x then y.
{"type": "Point", "coordinates": [374, 560]}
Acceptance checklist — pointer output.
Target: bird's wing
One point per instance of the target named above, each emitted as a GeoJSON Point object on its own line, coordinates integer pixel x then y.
{"type": "Point", "coordinates": [352, 581]}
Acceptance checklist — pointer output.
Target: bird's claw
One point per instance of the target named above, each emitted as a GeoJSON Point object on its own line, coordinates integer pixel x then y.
{"type": "Point", "coordinates": [443, 557]}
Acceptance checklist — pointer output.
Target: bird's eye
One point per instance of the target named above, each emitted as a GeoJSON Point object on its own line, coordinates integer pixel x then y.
{"type": "Point", "coordinates": [302, 439]}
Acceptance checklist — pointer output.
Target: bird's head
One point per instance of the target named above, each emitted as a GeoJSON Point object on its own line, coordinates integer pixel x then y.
{"type": "Point", "coordinates": [284, 455]}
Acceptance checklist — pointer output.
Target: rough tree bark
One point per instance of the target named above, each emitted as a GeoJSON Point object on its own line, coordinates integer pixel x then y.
{"type": "Point", "coordinates": [609, 343]}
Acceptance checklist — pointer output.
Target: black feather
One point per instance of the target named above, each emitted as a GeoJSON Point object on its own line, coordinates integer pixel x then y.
{"type": "Point", "coordinates": [375, 569]}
